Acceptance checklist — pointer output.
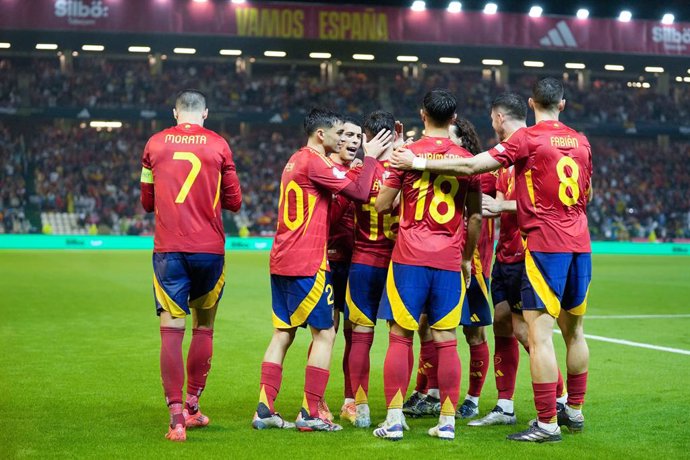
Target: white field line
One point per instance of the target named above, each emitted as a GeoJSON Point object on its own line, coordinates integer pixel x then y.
{"type": "Point", "coordinates": [634, 344]}
{"type": "Point", "coordinates": [635, 316]}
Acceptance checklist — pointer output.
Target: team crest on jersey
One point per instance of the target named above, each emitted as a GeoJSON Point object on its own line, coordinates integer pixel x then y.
{"type": "Point", "coordinates": [289, 167]}
{"type": "Point", "coordinates": [386, 175]}
{"type": "Point", "coordinates": [338, 173]}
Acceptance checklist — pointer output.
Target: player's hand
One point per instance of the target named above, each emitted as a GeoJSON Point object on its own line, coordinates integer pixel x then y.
{"type": "Point", "coordinates": [466, 268]}
{"type": "Point", "coordinates": [356, 163]}
{"type": "Point", "coordinates": [490, 206]}
{"type": "Point", "coordinates": [399, 140]}
{"type": "Point", "coordinates": [379, 144]}
{"type": "Point", "coordinates": [402, 159]}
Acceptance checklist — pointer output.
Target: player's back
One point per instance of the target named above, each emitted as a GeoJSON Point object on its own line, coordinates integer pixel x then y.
{"type": "Point", "coordinates": [187, 162]}
{"type": "Point", "coordinates": [557, 176]}
{"type": "Point", "coordinates": [509, 249]}
{"type": "Point", "coordinates": [431, 209]}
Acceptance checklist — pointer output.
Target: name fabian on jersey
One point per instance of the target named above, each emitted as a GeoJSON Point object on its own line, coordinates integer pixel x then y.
{"type": "Point", "coordinates": [185, 139]}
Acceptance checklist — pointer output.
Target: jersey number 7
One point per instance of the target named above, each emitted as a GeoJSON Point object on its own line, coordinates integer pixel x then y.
{"type": "Point", "coordinates": [191, 177]}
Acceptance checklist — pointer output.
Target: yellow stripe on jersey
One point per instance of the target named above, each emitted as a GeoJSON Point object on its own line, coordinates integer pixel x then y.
{"type": "Point", "coordinates": [530, 188]}
{"type": "Point", "coordinates": [482, 285]}
{"type": "Point", "coordinates": [210, 299]}
{"type": "Point", "coordinates": [541, 287]}
{"type": "Point", "coordinates": [477, 261]}
{"type": "Point", "coordinates": [146, 176]}
{"type": "Point", "coordinates": [215, 200]}
{"type": "Point", "coordinates": [452, 319]}
{"type": "Point", "coordinates": [165, 301]}
{"type": "Point", "coordinates": [400, 314]}
{"type": "Point", "coordinates": [307, 305]}
{"type": "Point", "coordinates": [582, 308]}
{"type": "Point", "coordinates": [311, 200]}
{"type": "Point", "coordinates": [355, 315]}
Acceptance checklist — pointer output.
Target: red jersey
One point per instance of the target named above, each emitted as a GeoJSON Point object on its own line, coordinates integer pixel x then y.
{"type": "Point", "coordinates": [431, 209]}
{"type": "Point", "coordinates": [509, 249]}
{"type": "Point", "coordinates": [187, 176]}
{"type": "Point", "coordinates": [553, 171]}
{"type": "Point", "coordinates": [341, 230]}
{"type": "Point", "coordinates": [484, 253]}
{"type": "Point", "coordinates": [307, 186]}
{"type": "Point", "coordinates": [375, 233]}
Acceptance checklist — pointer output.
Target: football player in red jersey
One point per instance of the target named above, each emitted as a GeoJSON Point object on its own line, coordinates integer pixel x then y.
{"type": "Point", "coordinates": [553, 170]}
{"type": "Point", "coordinates": [301, 289]}
{"type": "Point", "coordinates": [425, 272]}
{"type": "Point", "coordinates": [341, 238]}
{"type": "Point", "coordinates": [187, 177]}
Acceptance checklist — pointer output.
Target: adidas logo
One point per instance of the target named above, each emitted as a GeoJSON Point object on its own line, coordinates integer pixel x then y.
{"type": "Point", "coordinates": [560, 36]}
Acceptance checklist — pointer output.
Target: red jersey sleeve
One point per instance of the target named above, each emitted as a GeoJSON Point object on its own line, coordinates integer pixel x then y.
{"type": "Point", "coordinates": [393, 178]}
{"type": "Point", "coordinates": [231, 191]}
{"type": "Point", "coordinates": [512, 149]}
{"type": "Point", "coordinates": [502, 181]}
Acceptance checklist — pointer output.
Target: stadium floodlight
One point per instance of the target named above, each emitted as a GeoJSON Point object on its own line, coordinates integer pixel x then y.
{"type": "Point", "coordinates": [582, 13]}
{"type": "Point", "coordinates": [238, 2]}
{"type": "Point", "coordinates": [492, 62]}
{"type": "Point", "coordinates": [490, 8]}
{"type": "Point", "coordinates": [275, 53]}
{"type": "Point", "coordinates": [533, 63]}
{"type": "Point", "coordinates": [646, 85]}
{"type": "Point", "coordinates": [574, 65]}
{"type": "Point", "coordinates": [75, 53]}
{"type": "Point", "coordinates": [227, 52]}
{"type": "Point", "coordinates": [199, 1]}
{"type": "Point", "coordinates": [625, 16]}
{"type": "Point", "coordinates": [614, 67]}
{"type": "Point", "coordinates": [4, 45]}
{"type": "Point", "coordinates": [105, 124]}
{"type": "Point", "coordinates": [536, 11]}
{"type": "Point", "coordinates": [652, 69]}
{"type": "Point", "coordinates": [139, 49]}
{"type": "Point", "coordinates": [686, 79]}
{"type": "Point", "coordinates": [184, 50]}
{"type": "Point", "coordinates": [668, 19]}
{"type": "Point", "coordinates": [679, 79]}
{"type": "Point", "coordinates": [449, 60]}
{"type": "Point", "coordinates": [454, 7]}
{"type": "Point", "coordinates": [92, 47]}
{"type": "Point", "coordinates": [46, 46]}
{"type": "Point", "coordinates": [320, 55]}
{"type": "Point", "coordinates": [407, 58]}
{"type": "Point", "coordinates": [418, 5]}
{"type": "Point", "coordinates": [363, 57]}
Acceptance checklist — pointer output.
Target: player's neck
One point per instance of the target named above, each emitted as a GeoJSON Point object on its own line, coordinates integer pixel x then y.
{"type": "Point", "coordinates": [511, 127]}
{"type": "Point", "coordinates": [190, 120]}
{"type": "Point", "coordinates": [436, 131]}
{"type": "Point", "coordinates": [545, 115]}
{"type": "Point", "coordinates": [335, 158]}
{"type": "Point", "coordinates": [386, 155]}
{"type": "Point", "coordinates": [315, 145]}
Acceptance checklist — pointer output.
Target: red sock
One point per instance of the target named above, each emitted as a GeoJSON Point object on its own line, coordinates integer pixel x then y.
{"type": "Point", "coordinates": [448, 375]}
{"type": "Point", "coordinates": [545, 401]}
{"type": "Point", "coordinates": [427, 352]}
{"type": "Point", "coordinates": [346, 363]}
{"type": "Point", "coordinates": [360, 365]}
{"type": "Point", "coordinates": [315, 381]}
{"type": "Point", "coordinates": [560, 386]}
{"type": "Point", "coordinates": [396, 374]}
{"type": "Point", "coordinates": [577, 386]}
{"type": "Point", "coordinates": [198, 366]}
{"type": "Point", "coordinates": [506, 360]}
{"type": "Point", "coordinates": [172, 364]}
{"type": "Point", "coordinates": [432, 369]}
{"type": "Point", "coordinates": [479, 366]}
{"type": "Point", "coordinates": [271, 378]}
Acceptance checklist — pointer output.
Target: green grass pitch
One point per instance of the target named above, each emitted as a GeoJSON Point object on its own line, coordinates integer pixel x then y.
{"type": "Point", "coordinates": [80, 375]}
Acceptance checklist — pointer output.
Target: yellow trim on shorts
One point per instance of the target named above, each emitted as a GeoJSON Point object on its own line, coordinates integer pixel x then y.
{"type": "Point", "coordinates": [582, 308]}
{"type": "Point", "coordinates": [210, 299]}
{"type": "Point", "coordinates": [307, 305]}
{"type": "Point", "coordinates": [401, 315]}
{"type": "Point", "coordinates": [541, 287]}
{"type": "Point", "coordinates": [452, 319]}
{"type": "Point", "coordinates": [482, 285]}
{"type": "Point", "coordinates": [279, 323]}
{"type": "Point", "coordinates": [166, 301]}
{"type": "Point", "coordinates": [355, 314]}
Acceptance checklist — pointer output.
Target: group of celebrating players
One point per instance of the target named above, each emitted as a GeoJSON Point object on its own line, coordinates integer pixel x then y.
{"type": "Point", "coordinates": [405, 235]}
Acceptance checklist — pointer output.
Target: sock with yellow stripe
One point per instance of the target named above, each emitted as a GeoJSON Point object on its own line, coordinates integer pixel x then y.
{"type": "Point", "coordinates": [449, 372]}
{"type": "Point", "coordinates": [396, 375]}
{"type": "Point", "coordinates": [360, 365]}
{"type": "Point", "coordinates": [271, 378]}
{"type": "Point", "coordinates": [315, 381]}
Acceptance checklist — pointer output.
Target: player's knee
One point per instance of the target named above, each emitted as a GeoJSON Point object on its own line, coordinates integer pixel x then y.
{"type": "Point", "coordinates": [474, 335]}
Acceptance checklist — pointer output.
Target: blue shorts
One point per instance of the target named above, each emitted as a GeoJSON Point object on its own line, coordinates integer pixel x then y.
{"type": "Point", "coordinates": [412, 290]}
{"type": "Point", "coordinates": [339, 272]}
{"type": "Point", "coordinates": [477, 310]}
{"type": "Point", "coordinates": [184, 280]}
{"type": "Point", "coordinates": [506, 283]}
{"type": "Point", "coordinates": [301, 300]}
{"type": "Point", "coordinates": [556, 280]}
{"type": "Point", "coordinates": [364, 291]}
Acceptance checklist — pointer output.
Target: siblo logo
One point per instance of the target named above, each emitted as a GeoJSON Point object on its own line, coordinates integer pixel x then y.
{"type": "Point", "coordinates": [671, 38]}
{"type": "Point", "coordinates": [81, 12]}
{"type": "Point", "coordinates": [560, 36]}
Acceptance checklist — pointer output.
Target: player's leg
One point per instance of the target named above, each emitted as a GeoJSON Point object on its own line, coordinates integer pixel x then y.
{"type": "Point", "coordinates": [339, 276]}
{"type": "Point", "coordinates": [425, 399]}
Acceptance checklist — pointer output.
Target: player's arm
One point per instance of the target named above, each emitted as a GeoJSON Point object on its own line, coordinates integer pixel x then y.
{"type": "Point", "coordinates": [493, 207]}
{"type": "Point", "coordinates": [386, 201]}
{"type": "Point", "coordinates": [231, 192]}
{"type": "Point", "coordinates": [146, 184]}
{"type": "Point", "coordinates": [404, 159]}
{"type": "Point", "coordinates": [474, 229]}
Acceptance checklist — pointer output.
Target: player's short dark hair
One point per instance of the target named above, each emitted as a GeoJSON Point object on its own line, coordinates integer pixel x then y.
{"type": "Point", "coordinates": [190, 100]}
{"type": "Point", "coordinates": [351, 119]}
{"type": "Point", "coordinates": [440, 105]}
{"type": "Point", "coordinates": [512, 104]}
{"type": "Point", "coordinates": [378, 120]}
{"type": "Point", "coordinates": [320, 118]}
{"type": "Point", "coordinates": [470, 139]}
{"type": "Point", "coordinates": [548, 92]}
